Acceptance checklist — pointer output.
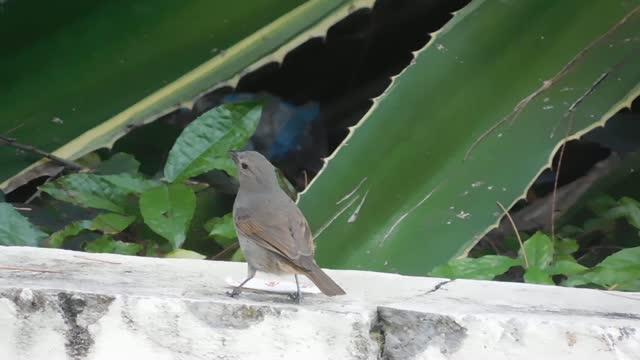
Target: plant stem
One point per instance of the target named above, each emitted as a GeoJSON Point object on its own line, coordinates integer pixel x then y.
{"type": "Point", "coordinates": [66, 163]}
{"type": "Point", "coordinates": [515, 230]}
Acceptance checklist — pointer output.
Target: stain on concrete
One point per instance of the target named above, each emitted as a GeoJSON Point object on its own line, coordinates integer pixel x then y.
{"type": "Point", "coordinates": [571, 338]}
{"type": "Point", "coordinates": [626, 332]}
{"type": "Point", "coordinates": [27, 301]}
{"type": "Point", "coordinates": [236, 316]}
{"type": "Point", "coordinates": [377, 334]}
{"type": "Point", "coordinates": [29, 306]}
{"type": "Point", "coordinates": [408, 333]}
{"type": "Point", "coordinates": [362, 341]}
{"type": "Point", "coordinates": [78, 312]}
{"type": "Point", "coordinates": [512, 331]}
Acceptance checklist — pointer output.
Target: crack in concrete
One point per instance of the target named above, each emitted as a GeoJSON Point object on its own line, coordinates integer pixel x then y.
{"type": "Point", "coordinates": [438, 286]}
{"type": "Point", "coordinates": [377, 334]}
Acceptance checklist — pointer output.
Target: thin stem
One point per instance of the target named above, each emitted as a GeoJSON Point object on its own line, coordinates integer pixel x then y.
{"type": "Point", "coordinates": [513, 225]}
{"type": "Point", "coordinates": [66, 163]}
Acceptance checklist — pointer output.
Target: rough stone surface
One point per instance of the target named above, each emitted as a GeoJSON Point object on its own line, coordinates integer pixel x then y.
{"type": "Point", "coordinates": [90, 306]}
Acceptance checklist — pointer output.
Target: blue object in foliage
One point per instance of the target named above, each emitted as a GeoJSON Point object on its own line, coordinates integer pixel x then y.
{"type": "Point", "coordinates": [283, 126]}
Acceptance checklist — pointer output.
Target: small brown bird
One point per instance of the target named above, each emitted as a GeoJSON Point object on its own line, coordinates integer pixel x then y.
{"type": "Point", "coordinates": [273, 233]}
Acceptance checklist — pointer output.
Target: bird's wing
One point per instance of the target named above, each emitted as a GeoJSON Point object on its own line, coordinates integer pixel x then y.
{"type": "Point", "coordinates": [288, 236]}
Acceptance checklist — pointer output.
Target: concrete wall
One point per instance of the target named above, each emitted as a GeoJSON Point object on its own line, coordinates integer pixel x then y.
{"type": "Point", "coordinates": [58, 304]}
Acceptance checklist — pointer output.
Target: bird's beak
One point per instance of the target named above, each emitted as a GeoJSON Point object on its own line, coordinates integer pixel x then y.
{"type": "Point", "coordinates": [234, 156]}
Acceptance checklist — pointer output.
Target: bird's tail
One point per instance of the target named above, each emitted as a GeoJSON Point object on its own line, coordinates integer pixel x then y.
{"type": "Point", "coordinates": [324, 282]}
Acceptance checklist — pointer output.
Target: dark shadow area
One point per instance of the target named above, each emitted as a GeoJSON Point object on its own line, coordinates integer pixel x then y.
{"type": "Point", "coordinates": [327, 83]}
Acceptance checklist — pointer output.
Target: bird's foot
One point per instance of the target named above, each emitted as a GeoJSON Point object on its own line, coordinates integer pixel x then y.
{"type": "Point", "coordinates": [235, 292]}
{"type": "Point", "coordinates": [296, 297]}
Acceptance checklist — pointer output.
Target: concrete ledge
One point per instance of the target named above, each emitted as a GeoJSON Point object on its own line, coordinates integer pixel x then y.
{"type": "Point", "coordinates": [100, 306]}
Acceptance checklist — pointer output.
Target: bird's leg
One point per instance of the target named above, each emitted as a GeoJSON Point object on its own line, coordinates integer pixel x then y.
{"type": "Point", "coordinates": [238, 289]}
{"type": "Point", "coordinates": [297, 296]}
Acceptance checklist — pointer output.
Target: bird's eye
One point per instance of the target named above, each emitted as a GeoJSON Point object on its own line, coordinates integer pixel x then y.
{"type": "Point", "coordinates": [244, 165]}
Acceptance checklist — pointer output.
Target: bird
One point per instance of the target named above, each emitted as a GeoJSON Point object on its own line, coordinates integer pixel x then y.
{"type": "Point", "coordinates": [273, 233]}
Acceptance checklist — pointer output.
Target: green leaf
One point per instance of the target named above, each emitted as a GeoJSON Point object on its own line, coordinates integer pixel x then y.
{"type": "Point", "coordinates": [623, 259]}
{"type": "Point", "coordinates": [566, 267]}
{"type": "Point", "coordinates": [118, 164]}
{"type": "Point", "coordinates": [16, 230]}
{"type": "Point", "coordinates": [204, 145]}
{"type": "Point", "coordinates": [534, 275]}
{"type": "Point", "coordinates": [627, 208]}
{"type": "Point", "coordinates": [106, 223]}
{"type": "Point", "coordinates": [111, 223]}
{"type": "Point", "coordinates": [106, 244]}
{"type": "Point", "coordinates": [600, 204]}
{"type": "Point", "coordinates": [57, 239]}
{"type": "Point", "coordinates": [482, 268]}
{"type": "Point", "coordinates": [184, 254]}
{"type": "Point", "coordinates": [570, 231]}
{"type": "Point", "coordinates": [168, 210]}
{"type": "Point", "coordinates": [238, 256]}
{"type": "Point", "coordinates": [620, 270]}
{"type": "Point", "coordinates": [433, 190]}
{"type": "Point", "coordinates": [168, 52]}
{"type": "Point", "coordinates": [108, 192]}
{"type": "Point", "coordinates": [563, 248]}
{"type": "Point", "coordinates": [539, 250]}
{"type": "Point", "coordinates": [576, 280]}
{"type": "Point", "coordinates": [222, 229]}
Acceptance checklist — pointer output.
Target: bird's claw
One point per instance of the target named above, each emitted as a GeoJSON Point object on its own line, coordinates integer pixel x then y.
{"type": "Point", "coordinates": [233, 293]}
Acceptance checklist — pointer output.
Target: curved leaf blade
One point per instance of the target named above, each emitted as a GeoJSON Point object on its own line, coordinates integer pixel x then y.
{"type": "Point", "coordinates": [106, 244]}
{"type": "Point", "coordinates": [107, 192]}
{"type": "Point", "coordinates": [204, 145]}
{"type": "Point", "coordinates": [482, 268]}
{"type": "Point", "coordinates": [16, 230]}
{"type": "Point", "coordinates": [460, 129]}
{"type": "Point", "coordinates": [168, 210]}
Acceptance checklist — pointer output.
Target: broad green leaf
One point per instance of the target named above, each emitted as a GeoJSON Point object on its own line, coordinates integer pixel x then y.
{"type": "Point", "coordinates": [119, 163]}
{"type": "Point", "coordinates": [534, 275]}
{"type": "Point", "coordinates": [632, 285]}
{"type": "Point", "coordinates": [609, 277]}
{"type": "Point", "coordinates": [222, 229]}
{"type": "Point", "coordinates": [623, 259]}
{"type": "Point", "coordinates": [482, 268]}
{"type": "Point", "coordinates": [111, 223]}
{"type": "Point", "coordinates": [57, 239]}
{"type": "Point", "coordinates": [16, 230]}
{"type": "Point", "coordinates": [168, 210]}
{"type": "Point", "coordinates": [184, 254]}
{"type": "Point", "coordinates": [106, 223]}
{"type": "Point", "coordinates": [539, 250]}
{"type": "Point", "coordinates": [564, 248]}
{"type": "Point", "coordinates": [107, 192]}
{"type": "Point", "coordinates": [565, 267]}
{"type": "Point", "coordinates": [204, 145]}
{"type": "Point", "coordinates": [627, 208]}
{"type": "Point", "coordinates": [106, 244]}
{"type": "Point", "coordinates": [620, 270]}
{"type": "Point", "coordinates": [570, 231]}
{"type": "Point", "coordinates": [472, 121]}
{"type": "Point", "coordinates": [576, 280]}
{"type": "Point", "coordinates": [601, 204]}
{"type": "Point", "coordinates": [126, 61]}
